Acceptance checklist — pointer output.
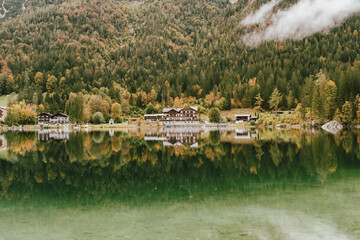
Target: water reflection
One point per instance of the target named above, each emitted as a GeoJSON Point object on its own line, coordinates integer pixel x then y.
{"type": "Point", "coordinates": [246, 134]}
{"type": "Point", "coordinates": [83, 159]}
{"type": "Point", "coordinates": [175, 136]}
{"type": "Point", "coordinates": [46, 135]}
{"type": "Point", "coordinates": [283, 182]}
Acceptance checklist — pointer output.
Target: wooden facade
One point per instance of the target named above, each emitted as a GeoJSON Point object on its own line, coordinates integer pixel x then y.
{"type": "Point", "coordinates": [187, 114]}
{"type": "Point", "coordinates": [48, 118]}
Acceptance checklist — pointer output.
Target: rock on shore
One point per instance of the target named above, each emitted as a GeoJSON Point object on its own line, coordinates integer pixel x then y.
{"type": "Point", "coordinates": [332, 127]}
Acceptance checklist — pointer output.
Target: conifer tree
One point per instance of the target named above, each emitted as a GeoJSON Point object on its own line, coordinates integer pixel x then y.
{"type": "Point", "coordinates": [316, 105]}
{"type": "Point", "coordinates": [347, 114]}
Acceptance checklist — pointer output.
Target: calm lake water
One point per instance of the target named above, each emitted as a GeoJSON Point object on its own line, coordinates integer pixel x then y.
{"type": "Point", "coordinates": [180, 184]}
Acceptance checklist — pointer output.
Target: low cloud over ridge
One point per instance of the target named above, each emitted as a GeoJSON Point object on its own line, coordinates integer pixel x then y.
{"type": "Point", "coordinates": [299, 21]}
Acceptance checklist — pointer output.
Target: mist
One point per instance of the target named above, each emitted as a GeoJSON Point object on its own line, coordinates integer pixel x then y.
{"type": "Point", "coordinates": [299, 21]}
{"type": "Point", "coordinates": [261, 15]}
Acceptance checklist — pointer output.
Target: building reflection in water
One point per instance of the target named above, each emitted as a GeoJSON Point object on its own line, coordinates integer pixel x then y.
{"type": "Point", "coordinates": [3, 143]}
{"type": "Point", "coordinates": [46, 135]}
{"type": "Point", "coordinates": [246, 134]}
{"type": "Point", "coordinates": [175, 136]}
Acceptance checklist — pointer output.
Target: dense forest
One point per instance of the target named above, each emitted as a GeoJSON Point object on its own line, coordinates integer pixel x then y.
{"type": "Point", "coordinates": [117, 57]}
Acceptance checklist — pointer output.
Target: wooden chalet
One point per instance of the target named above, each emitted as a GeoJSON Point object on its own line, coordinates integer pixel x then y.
{"type": "Point", "coordinates": [184, 115]}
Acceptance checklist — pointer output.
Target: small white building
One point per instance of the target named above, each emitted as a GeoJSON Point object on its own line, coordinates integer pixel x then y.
{"type": "Point", "coordinates": [242, 117]}
{"type": "Point", "coordinates": [245, 118]}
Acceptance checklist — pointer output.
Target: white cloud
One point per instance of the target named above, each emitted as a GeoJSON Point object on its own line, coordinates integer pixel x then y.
{"type": "Point", "coordinates": [300, 20]}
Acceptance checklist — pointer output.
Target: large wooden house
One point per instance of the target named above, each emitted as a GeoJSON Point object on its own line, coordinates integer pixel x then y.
{"type": "Point", "coordinates": [53, 119]}
{"type": "Point", "coordinates": [59, 118]}
{"type": "Point", "coordinates": [44, 118]}
{"type": "Point", "coordinates": [183, 115]}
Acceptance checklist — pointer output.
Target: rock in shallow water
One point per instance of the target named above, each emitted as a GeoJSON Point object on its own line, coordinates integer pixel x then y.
{"type": "Point", "coordinates": [332, 127]}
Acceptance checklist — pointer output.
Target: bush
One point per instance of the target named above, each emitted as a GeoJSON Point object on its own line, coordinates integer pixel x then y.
{"type": "Point", "coordinates": [98, 118]}
{"type": "Point", "coordinates": [150, 109]}
{"type": "Point", "coordinates": [119, 120]}
{"type": "Point", "coordinates": [214, 115]}
{"type": "Point", "coordinates": [252, 123]}
{"type": "Point", "coordinates": [107, 118]}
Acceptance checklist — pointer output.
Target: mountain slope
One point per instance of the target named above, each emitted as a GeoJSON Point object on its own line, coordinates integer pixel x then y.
{"type": "Point", "coordinates": [195, 46]}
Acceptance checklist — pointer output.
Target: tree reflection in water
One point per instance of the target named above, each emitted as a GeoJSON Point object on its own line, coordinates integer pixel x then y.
{"type": "Point", "coordinates": [126, 165]}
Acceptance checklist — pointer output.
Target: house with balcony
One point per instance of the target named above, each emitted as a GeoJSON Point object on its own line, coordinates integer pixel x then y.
{"type": "Point", "coordinates": [59, 118]}
{"type": "Point", "coordinates": [180, 115]}
{"type": "Point", "coordinates": [44, 118]}
{"type": "Point", "coordinates": [53, 119]}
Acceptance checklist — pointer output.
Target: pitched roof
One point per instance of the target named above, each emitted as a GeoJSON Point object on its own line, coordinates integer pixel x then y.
{"type": "Point", "coordinates": [179, 109]}
{"type": "Point", "coordinates": [48, 114]}
{"type": "Point", "coordinates": [60, 114]}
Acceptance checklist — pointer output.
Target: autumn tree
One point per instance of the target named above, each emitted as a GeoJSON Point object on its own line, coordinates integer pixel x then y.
{"type": "Point", "coordinates": [330, 99]}
{"type": "Point", "coordinates": [51, 83]}
{"type": "Point", "coordinates": [258, 102]}
{"type": "Point", "coordinates": [275, 99]}
{"type": "Point", "coordinates": [39, 80]}
{"type": "Point", "coordinates": [116, 111]}
{"type": "Point", "coordinates": [347, 114]}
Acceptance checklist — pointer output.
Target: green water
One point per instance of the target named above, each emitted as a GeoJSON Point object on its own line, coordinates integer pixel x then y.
{"type": "Point", "coordinates": [164, 185]}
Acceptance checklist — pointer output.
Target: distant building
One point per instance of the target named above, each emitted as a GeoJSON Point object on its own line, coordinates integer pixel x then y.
{"type": "Point", "coordinates": [278, 112]}
{"type": "Point", "coordinates": [3, 112]}
{"type": "Point", "coordinates": [153, 117]}
{"type": "Point", "coordinates": [183, 115]}
{"type": "Point", "coordinates": [48, 118]}
{"type": "Point", "coordinates": [254, 118]}
{"type": "Point", "coordinates": [59, 118]}
{"type": "Point", "coordinates": [242, 117]}
{"type": "Point", "coordinates": [245, 118]}
{"type": "Point", "coordinates": [44, 118]}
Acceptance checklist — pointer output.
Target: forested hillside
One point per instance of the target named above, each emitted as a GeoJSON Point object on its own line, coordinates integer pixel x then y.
{"type": "Point", "coordinates": [122, 55]}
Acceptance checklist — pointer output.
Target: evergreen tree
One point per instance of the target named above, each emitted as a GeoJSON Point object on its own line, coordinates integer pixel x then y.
{"type": "Point", "coordinates": [214, 115]}
{"type": "Point", "coordinates": [75, 108]}
{"type": "Point", "coordinates": [316, 106]}
{"type": "Point", "coordinates": [150, 109]}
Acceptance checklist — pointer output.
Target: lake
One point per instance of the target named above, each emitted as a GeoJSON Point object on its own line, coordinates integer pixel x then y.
{"type": "Point", "coordinates": [180, 183]}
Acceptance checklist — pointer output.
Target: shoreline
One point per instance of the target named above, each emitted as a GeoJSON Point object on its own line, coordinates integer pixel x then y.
{"type": "Point", "coordinates": [125, 126]}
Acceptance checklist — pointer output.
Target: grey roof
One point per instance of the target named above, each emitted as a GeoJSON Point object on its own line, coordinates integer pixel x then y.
{"type": "Point", "coordinates": [153, 115]}
{"type": "Point", "coordinates": [179, 109]}
{"type": "Point", "coordinates": [41, 114]}
{"type": "Point", "coordinates": [60, 114]}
